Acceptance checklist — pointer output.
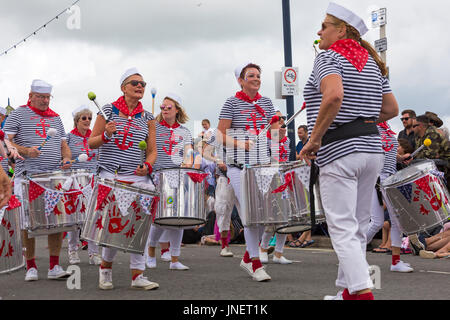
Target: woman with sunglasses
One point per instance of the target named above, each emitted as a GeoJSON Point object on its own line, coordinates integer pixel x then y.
{"type": "Point", "coordinates": [117, 139]}
{"type": "Point", "coordinates": [77, 139]}
{"type": "Point", "coordinates": [174, 144]}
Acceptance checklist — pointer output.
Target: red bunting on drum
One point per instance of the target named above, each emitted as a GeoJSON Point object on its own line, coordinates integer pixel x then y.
{"type": "Point", "coordinates": [13, 203]}
{"type": "Point", "coordinates": [197, 177]}
{"type": "Point", "coordinates": [424, 185]}
{"type": "Point", "coordinates": [288, 183]}
{"type": "Point", "coordinates": [35, 191]}
{"type": "Point", "coordinates": [103, 192]}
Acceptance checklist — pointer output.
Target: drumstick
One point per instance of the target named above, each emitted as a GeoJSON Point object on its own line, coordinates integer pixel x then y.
{"type": "Point", "coordinates": [51, 133]}
{"type": "Point", "coordinates": [81, 158]}
{"type": "Point", "coordinates": [8, 153]}
{"type": "Point", "coordinates": [92, 96]}
{"type": "Point", "coordinates": [426, 143]}
{"type": "Point", "coordinates": [153, 100]}
{"type": "Point", "coordinates": [142, 147]}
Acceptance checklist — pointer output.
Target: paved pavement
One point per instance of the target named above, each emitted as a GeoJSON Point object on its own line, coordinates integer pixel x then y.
{"type": "Point", "coordinates": [211, 277]}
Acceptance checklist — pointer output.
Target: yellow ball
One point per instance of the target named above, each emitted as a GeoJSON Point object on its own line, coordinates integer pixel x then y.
{"type": "Point", "coordinates": [427, 142]}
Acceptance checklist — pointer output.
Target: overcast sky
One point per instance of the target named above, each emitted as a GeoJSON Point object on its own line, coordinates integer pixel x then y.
{"type": "Point", "coordinates": [191, 48]}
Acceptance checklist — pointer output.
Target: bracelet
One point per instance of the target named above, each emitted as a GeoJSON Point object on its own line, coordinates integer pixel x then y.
{"type": "Point", "coordinates": [105, 137]}
{"type": "Point", "coordinates": [149, 166]}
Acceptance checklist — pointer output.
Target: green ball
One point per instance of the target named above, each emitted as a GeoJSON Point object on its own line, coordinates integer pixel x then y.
{"type": "Point", "coordinates": [91, 95]}
{"type": "Point", "coordinates": [142, 145]}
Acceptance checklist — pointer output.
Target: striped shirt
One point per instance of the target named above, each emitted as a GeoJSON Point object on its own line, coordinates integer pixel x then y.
{"type": "Point", "coordinates": [122, 153]}
{"type": "Point", "coordinates": [170, 144]}
{"type": "Point", "coordinates": [389, 146]}
{"type": "Point", "coordinates": [30, 129]}
{"type": "Point", "coordinates": [79, 145]}
{"type": "Point", "coordinates": [247, 122]}
{"type": "Point", "coordinates": [363, 95]}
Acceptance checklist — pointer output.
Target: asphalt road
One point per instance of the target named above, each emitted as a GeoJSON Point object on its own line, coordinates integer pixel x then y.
{"type": "Point", "coordinates": [211, 277]}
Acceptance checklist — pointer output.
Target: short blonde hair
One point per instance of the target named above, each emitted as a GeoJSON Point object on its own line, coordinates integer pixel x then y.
{"type": "Point", "coordinates": [78, 115]}
{"type": "Point", "coordinates": [182, 116]}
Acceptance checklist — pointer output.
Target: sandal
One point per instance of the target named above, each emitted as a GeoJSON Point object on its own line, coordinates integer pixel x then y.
{"type": "Point", "coordinates": [295, 244]}
{"type": "Point", "coordinates": [307, 243]}
{"type": "Point", "coordinates": [380, 250]}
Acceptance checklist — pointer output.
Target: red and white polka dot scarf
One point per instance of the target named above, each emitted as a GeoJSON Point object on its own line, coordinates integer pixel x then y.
{"type": "Point", "coordinates": [352, 51]}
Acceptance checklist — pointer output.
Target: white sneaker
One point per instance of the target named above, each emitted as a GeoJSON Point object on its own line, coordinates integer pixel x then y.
{"type": "Point", "coordinates": [427, 254]}
{"type": "Point", "coordinates": [166, 256]}
{"type": "Point", "coordinates": [143, 283]}
{"type": "Point", "coordinates": [95, 259]}
{"type": "Point", "coordinates": [338, 296]}
{"type": "Point", "coordinates": [178, 266]}
{"type": "Point", "coordinates": [260, 275]}
{"type": "Point", "coordinates": [105, 279]}
{"type": "Point", "coordinates": [57, 273]}
{"type": "Point", "coordinates": [401, 267]}
{"type": "Point", "coordinates": [281, 260]}
{"type": "Point", "coordinates": [247, 267]}
{"type": "Point", "coordinates": [225, 252]}
{"type": "Point", "coordinates": [151, 262]}
{"type": "Point", "coordinates": [74, 258]}
{"type": "Point", "coordinates": [32, 275]}
{"type": "Point", "coordinates": [263, 256]}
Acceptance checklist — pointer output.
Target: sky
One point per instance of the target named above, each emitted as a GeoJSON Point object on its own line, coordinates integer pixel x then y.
{"type": "Point", "coordinates": [191, 48]}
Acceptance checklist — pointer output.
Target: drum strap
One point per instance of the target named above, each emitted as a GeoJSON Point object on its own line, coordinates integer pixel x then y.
{"type": "Point", "coordinates": [356, 128]}
{"type": "Point", "coordinates": [379, 195]}
{"type": "Point", "coordinates": [312, 181]}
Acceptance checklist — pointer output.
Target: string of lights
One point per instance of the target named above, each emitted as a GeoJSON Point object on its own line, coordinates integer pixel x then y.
{"type": "Point", "coordinates": [39, 29]}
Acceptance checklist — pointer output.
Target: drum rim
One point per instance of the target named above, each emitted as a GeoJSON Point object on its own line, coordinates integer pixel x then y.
{"type": "Point", "coordinates": [179, 168]}
{"type": "Point", "coordinates": [115, 183]}
{"type": "Point", "coordinates": [411, 178]}
{"type": "Point", "coordinates": [184, 225]}
{"type": "Point", "coordinates": [55, 172]}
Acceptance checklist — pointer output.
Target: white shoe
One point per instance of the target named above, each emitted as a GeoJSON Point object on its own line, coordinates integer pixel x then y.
{"type": "Point", "coordinates": [95, 259]}
{"type": "Point", "coordinates": [73, 257]}
{"type": "Point", "coordinates": [338, 296]}
{"type": "Point", "coordinates": [263, 256]}
{"type": "Point", "coordinates": [260, 275]}
{"type": "Point", "coordinates": [427, 254]}
{"type": "Point", "coordinates": [57, 273]}
{"type": "Point", "coordinates": [225, 252]}
{"type": "Point", "coordinates": [247, 267]}
{"type": "Point", "coordinates": [166, 256]}
{"type": "Point", "coordinates": [105, 279]}
{"type": "Point", "coordinates": [151, 262]}
{"type": "Point", "coordinates": [178, 266]}
{"type": "Point", "coordinates": [401, 267]}
{"type": "Point", "coordinates": [32, 275]}
{"type": "Point", "coordinates": [143, 283]}
{"type": "Point", "coordinates": [281, 260]}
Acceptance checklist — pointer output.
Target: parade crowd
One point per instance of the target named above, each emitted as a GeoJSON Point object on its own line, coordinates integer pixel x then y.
{"type": "Point", "coordinates": [347, 138]}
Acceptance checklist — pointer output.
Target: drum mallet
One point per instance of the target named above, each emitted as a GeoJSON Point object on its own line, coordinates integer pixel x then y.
{"type": "Point", "coordinates": [92, 96]}
{"type": "Point", "coordinates": [8, 153]}
{"type": "Point", "coordinates": [426, 143]}
{"type": "Point", "coordinates": [51, 133]}
{"type": "Point", "coordinates": [153, 100]}
{"type": "Point", "coordinates": [142, 147]}
{"type": "Point", "coordinates": [81, 158]}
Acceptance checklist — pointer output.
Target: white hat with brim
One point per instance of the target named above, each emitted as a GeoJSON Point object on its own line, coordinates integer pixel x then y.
{"type": "Point", "coordinates": [174, 97]}
{"type": "Point", "coordinates": [348, 16]}
{"type": "Point", "coordinates": [79, 109]}
{"type": "Point", "coordinates": [40, 86]}
{"type": "Point", "coordinates": [128, 73]}
{"type": "Point", "coordinates": [238, 70]}
{"type": "Point", "coordinates": [2, 111]}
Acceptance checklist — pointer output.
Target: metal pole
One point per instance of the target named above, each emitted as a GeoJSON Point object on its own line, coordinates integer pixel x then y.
{"type": "Point", "coordinates": [288, 63]}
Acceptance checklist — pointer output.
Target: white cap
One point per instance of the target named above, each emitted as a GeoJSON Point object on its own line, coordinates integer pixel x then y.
{"type": "Point", "coordinates": [348, 16]}
{"type": "Point", "coordinates": [174, 97]}
{"type": "Point", "coordinates": [2, 111]}
{"type": "Point", "coordinates": [238, 70]}
{"type": "Point", "coordinates": [79, 109]}
{"type": "Point", "coordinates": [128, 73]}
{"type": "Point", "coordinates": [40, 86]}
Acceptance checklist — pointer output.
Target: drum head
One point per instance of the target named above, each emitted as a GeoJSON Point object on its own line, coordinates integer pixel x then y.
{"type": "Point", "coordinates": [409, 173]}
{"type": "Point", "coordinates": [179, 222]}
{"type": "Point", "coordinates": [293, 228]}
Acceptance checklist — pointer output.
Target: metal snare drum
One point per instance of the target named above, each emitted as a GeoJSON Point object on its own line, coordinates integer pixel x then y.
{"type": "Point", "coordinates": [11, 257]}
{"type": "Point", "coordinates": [263, 201]}
{"type": "Point", "coordinates": [182, 202]}
{"type": "Point", "coordinates": [109, 227]}
{"type": "Point", "coordinates": [300, 216]}
{"type": "Point", "coordinates": [418, 197]}
{"type": "Point", "coordinates": [66, 215]}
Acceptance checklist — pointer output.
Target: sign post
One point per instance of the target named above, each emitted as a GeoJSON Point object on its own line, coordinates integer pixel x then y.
{"type": "Point", "coordinates": [379, 19]}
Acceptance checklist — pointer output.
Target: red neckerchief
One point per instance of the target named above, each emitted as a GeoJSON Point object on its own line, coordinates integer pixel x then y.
{"type": "Point", "coordinates": [282, 152]}
{"type": "Point", "coordinates": [123, 107]}
{"type": "Point", "coordinates": [352, 51]}
{"type": "Point", "coordinates": [47, 113]}
{"type": "Point", "coordinates": [165, 124]}
{"type": "Point", "coordinates": [241, 95]}
{"type": "Point", "coordinates": [77, 133]}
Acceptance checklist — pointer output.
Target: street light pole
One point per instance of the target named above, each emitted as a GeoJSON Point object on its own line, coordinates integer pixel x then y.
{"type": "Point", "coordinates": [288, 63]}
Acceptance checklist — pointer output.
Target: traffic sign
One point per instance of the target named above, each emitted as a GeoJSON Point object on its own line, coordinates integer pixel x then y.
{"type": "Point", "coordinates": [289, 81]}
{"type": "Point", "coordinates": [381, 45]}
{"type": "Point", "coordinates": [379, 18]}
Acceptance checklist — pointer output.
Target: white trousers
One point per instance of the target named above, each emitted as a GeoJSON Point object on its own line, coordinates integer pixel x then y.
{"type": "Point", "coordinates": [377, 220]}
{"type": "Point", "coordinates": [252, 234]}
{"type": "Point", "coordinates": [346, 188]}
{"type": "Point", "coordinates": [162, 234]}
{"type": "Point", "coordinates": [281, 240]}
{"type": "Point", "coordinates": [223, 206]}
{"type": "Point", "coordinates": [73, 238]}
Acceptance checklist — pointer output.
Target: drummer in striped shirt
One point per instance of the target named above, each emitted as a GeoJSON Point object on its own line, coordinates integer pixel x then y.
{"type": "Point", "coordinates": [241, 119]}
{"type": "Point", "coordinates": [27, 129]}
{"type": "Point", "coordinates": [77, 139]}
{"type": "Point", "coordinates": [345, 141]}
{"type": "Point", "coordinates": [117, 140]}
{"type": "Point", "coordinates": [174, 145]}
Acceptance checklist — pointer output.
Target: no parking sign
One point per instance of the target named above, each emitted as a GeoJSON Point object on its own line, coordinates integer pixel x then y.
{"type": "Point", "coordinates": [289, 81]}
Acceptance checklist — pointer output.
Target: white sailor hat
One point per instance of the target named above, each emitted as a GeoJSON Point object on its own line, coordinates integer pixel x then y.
{"type": "Point", "coordinates": [238, 70]}
{"type": "Point", "coordinates": [79, 109]}
{"type": "Point", "coordinates": [348, 16]}
{"type": "Point", "coordinates": [128, 73]}
{"type": "Point", "coordinates": [40, 86]}
{"type": "Point", "coordinates": [174, 97]}
{"type": "Point", "coordinates": [2, 111]}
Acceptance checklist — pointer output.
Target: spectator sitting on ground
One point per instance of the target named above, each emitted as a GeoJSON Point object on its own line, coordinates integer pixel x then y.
{"type": "Point", "coordinates": [385, 246]}
{"type": "Point", "coordinates": [431, 247]}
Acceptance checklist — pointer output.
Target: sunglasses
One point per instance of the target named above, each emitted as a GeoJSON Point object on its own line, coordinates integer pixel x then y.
{"type": "Point", "coordinates": [84, 118]}
{"type": "Point", "coordinates": [405, 118]}
{"type": "Point", "coordinates": [164, 107]}
{"type": "Point", "coordinates": [135, 83]}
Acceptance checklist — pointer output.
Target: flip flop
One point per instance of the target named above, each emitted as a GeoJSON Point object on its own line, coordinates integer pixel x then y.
{"type": "Point", "coordinates": [295, 244]}
{"type": "Point", "coordinates": [307, 244]}
{"type": "Point", "coordinates": [380, 250]}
